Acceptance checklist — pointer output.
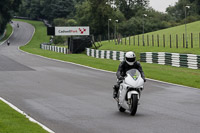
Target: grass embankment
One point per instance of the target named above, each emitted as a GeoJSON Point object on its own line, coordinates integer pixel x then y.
{"type": "Point", "coordinates": [13, 122]}
{"type": "Point", "coordinates": [161, 38]}
{"type": "Point", "coordinates": [178, 30]}
{"type": "Point", "coordinates": [8, 32]}
{"type": "Point", "coordinates": [183, 76]}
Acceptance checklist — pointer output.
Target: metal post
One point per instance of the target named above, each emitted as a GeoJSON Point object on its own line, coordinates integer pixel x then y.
{"type": "Point", "coordinates": [116, 21]}
{"type": "Point", "coordinates": [144, 15]}
{"type": "Point", "coordinates": [109, 29]}
{"type": "Point", "coordinates": [186, 26]}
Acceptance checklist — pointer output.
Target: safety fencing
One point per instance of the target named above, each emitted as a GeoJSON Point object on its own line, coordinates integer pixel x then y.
{"type": "Point", "coordinates": [54, 48]}
{"type": "Point", "coordinates": [174, 59]}
{"type": "Point", "coordinates": [170, 40]}
{"type": "Point", "coordinates": [106, 54]}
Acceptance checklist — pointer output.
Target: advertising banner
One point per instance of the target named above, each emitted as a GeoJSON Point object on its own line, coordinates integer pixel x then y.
{"type": "Point", "coordinates": [72, 31]}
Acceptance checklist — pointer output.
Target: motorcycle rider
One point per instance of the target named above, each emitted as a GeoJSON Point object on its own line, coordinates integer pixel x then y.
{"type": "Point", "coordinates": [8, 42]}
{"type": "Point", "coordinates": [129, 63]}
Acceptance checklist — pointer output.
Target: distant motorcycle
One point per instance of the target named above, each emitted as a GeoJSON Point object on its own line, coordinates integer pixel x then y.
{"type": "Point", "coordinates": [17, 25]}
{"type": "Point", "coordinates": [129, 91]}
{"type": "Point", "coordinates": [8, 42]}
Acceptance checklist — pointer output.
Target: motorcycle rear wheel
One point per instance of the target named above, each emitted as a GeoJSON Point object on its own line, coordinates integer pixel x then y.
{"type": "Point", "coordinates": [134, 104]}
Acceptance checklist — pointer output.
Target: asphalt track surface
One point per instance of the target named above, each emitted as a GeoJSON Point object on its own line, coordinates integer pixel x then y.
{"type": "Point", "coordinates": [69, 98]}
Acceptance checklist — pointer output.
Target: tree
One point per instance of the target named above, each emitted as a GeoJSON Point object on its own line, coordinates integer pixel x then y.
{"type": "Point", "coordinates": [178, 10]}
{"type": "Point", "coordinates": [46, 9]}
{"type": "Point", "coordinates": [6, 8]}
{"type": "Point", "coordinates": [130, 7]}
{"type": "Point", "coordinates": [95, 13]}
{"type": "Point", "coordinates": [62, 8]}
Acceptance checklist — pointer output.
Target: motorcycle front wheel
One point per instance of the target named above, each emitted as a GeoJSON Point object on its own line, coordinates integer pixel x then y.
{"type": "Point", "coordinates": [134, 104]}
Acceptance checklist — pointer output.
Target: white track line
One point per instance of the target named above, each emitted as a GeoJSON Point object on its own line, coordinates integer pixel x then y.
{"type": "Point", "coordinates": [30, 118]}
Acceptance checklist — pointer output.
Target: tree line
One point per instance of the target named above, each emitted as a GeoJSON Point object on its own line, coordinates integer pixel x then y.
{"type": "Point", "coordinates": [128, 17]}
{"type": "Point", "coordinates": [7, 7]}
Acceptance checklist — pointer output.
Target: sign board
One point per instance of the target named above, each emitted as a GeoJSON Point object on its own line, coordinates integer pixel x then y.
{"type": "Point", "coordinates": [72, 31]}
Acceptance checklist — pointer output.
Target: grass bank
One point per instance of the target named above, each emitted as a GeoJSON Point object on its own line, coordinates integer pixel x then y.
{"type": "Point", "coordinates": [13, 122]}
{"type": "Point", "coordinates": [174, 37]}
{"type": "Point", "coordinates": [183, 76]}
{"type": "Point", "coordinates": [8, 32]}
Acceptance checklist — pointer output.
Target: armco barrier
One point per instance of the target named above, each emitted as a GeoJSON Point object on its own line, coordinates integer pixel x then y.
{"type": "Point", "coordinates": [106, 54]}
{"type": "Point", "coordinates": [54, 48]}
{"type": "Point", "coordinates": [174, 59]}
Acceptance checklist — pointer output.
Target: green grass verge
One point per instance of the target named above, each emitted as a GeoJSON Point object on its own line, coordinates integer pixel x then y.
{"type": "Point", "coordinates": [183, 76]}
{"type": "Point", "coordinates": [13, 122]}
{"type": "Point", "coordinates": [8, 32]}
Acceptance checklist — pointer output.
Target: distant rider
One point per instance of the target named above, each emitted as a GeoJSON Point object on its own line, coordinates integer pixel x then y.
{"type": "Point", "coordinates": [129, 63]}
{"type": "Point", "coordinates": [8, 42]}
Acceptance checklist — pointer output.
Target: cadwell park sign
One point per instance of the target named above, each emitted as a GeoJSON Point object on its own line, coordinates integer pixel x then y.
{"type": "Point", "coordinates": [69, 31]}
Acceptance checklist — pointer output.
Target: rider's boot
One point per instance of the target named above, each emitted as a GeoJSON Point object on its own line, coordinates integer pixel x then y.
{"type": "Point", "coordinates": [115, 91]}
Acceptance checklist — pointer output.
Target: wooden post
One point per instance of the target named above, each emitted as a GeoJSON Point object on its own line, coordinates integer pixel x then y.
{"type": "Point", "coordinates": [183, 40]}
{"type": "Point", "coordinates": [152, 40]}
{"type": "Point", "coordinates": [143, 40]}
{"type": "Point", "coordinates": [125, 40]}
{"type": "Point", "coordinates": [158, 39]}
{"type": "Point", "coordinates": [134, 40]}
{"type": "Point", "coordinates": [170, 39]}
{"type": "Point", "coordinates": [129, 40]}
{"type": "Point", "coordinates": [191, 40]}
{"type": "Point", "coordinates": [147, 40]}
{"type": "Point", "coordinates": [164, 40]}
{"type": "Point", "coordinates": [176, 41]}
{"type": "Point", "coordinates": [138, 40]}
{"type": "Point", "coordinates": [199, 40]}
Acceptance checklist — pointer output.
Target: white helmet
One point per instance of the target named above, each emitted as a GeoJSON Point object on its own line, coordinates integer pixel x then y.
{"type": "Point", "coordinates": [130, 58]}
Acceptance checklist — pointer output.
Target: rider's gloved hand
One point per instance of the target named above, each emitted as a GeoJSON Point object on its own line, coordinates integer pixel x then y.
{"type": "Point", "coordinates": [121, 78]}
{"type": "Point", "coordinates": [145, 80]}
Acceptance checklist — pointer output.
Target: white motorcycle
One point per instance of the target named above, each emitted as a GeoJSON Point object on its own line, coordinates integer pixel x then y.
{"type": "Point", "coordinates": [129, 91]}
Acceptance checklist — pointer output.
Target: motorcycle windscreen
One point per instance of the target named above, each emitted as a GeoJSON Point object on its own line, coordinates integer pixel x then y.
{"type": "Point", "coordinates": [134, 78]}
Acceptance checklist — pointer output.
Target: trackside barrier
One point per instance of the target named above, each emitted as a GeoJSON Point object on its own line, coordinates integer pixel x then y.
{"type": "Point", "coordinates": [174, 59]}
{"type": "Point", "coordinates": [54, 48]}
{"type": "Point", "coordinates": [106, 54]}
